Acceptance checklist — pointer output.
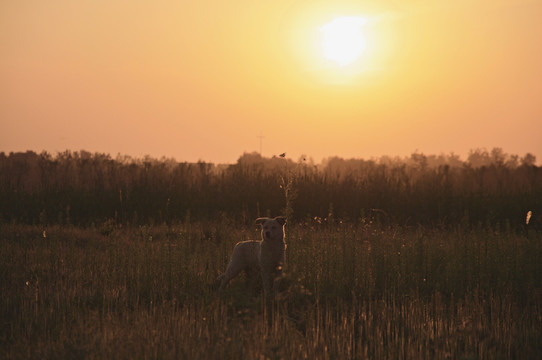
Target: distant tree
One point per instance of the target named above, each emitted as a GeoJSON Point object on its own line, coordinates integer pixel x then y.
{"type": "Point", "coordinates": [498, 156]}
{"type": "Point", "coordinates": [419, 160]}
{"type": "Point", "coordinates": [454, 160]}
{"type": "Point", "coordinates": [528, 160]}
{"type": "Point", "coordinates": [512, 161]}
{"type": "Point", "coordinates": [478, 158]}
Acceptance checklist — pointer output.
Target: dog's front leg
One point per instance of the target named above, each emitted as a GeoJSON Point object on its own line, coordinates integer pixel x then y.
{"type": "Point", "coordinates": [267, 280]}
{"type": "Point", "coordinates": [276, 279]}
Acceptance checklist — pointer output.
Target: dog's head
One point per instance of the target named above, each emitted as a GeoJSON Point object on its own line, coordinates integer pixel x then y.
{"type": "Point", "coordinates": [272, 229]}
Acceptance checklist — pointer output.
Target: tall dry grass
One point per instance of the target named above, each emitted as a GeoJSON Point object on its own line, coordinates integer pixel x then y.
{"type": "Point", "coordinates": [351, 291]}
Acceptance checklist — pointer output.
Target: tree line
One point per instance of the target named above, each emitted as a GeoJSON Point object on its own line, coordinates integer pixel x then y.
{"type": "Point", "coordinates": [83, 188]}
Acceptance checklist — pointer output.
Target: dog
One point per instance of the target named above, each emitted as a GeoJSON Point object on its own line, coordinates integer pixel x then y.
{"type": "Point", "coordinates": [266, 255]}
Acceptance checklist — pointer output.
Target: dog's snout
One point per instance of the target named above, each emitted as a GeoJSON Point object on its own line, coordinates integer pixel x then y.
{"type": "Point", "coordinates": [268, 234]}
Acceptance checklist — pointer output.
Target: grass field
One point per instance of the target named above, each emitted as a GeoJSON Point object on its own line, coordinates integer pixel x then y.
{"type": "Point", "coordinates": [351, 291]}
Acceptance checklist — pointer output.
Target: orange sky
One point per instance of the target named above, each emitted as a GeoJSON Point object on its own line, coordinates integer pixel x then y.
{"type": "Point", "coordinates": [201, 80]}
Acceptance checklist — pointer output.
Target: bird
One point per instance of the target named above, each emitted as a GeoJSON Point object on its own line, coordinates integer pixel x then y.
{"type": "Point", "coordinates": [283, 155]}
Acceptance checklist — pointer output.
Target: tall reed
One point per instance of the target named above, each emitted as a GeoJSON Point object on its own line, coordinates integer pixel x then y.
{"type": "Point", "coordinates": [351, 291]}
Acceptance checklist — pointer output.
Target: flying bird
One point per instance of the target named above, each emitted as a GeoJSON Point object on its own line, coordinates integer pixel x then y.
{"type": "Point", "coordinates": [283, 155]}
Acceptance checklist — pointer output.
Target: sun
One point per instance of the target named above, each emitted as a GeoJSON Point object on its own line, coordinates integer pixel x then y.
{"type": "Point", "coordinates": [343, 41]}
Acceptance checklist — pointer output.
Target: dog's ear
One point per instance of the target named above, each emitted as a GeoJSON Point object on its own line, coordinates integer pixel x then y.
{"type": "Point", "coordinates": [281, 220]}
{"type": "Point", "coordinates": [260, 221]}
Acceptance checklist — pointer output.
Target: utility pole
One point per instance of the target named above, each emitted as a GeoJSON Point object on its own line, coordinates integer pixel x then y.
{"type": "Point", "coordinates": [261, 142]}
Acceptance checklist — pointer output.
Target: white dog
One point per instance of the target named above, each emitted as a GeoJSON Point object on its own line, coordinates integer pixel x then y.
{"type": "Point", "coordinates": [267, 255]}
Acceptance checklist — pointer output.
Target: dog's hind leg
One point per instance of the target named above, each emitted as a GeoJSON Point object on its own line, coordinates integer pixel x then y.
{"type": "Point", "coordinates": [234, 268]}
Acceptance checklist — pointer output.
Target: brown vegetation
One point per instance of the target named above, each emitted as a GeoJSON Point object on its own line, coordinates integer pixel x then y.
{"type": "Point", "coordinates": [84, 188]}
{"type": "Point", "coordinates": [423, 257]}
{"type": "Point", "coordinates": [350, 292]}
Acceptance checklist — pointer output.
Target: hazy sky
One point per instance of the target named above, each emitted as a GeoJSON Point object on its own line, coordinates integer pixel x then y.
{"type": "Point", "coordinates": [203, 79]}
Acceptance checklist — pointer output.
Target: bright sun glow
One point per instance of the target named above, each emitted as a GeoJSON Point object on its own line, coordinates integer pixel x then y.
{"type": "Point", "coordinates": [343, 41]}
